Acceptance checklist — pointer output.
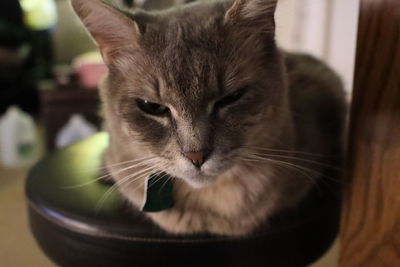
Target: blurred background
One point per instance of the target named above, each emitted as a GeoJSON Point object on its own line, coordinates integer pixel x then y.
{"type": "Point", "coordinates": [49, 71]}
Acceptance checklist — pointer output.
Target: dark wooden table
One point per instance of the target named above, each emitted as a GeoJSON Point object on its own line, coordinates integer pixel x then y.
{"type": "Point", "coordinates": [58, 105]}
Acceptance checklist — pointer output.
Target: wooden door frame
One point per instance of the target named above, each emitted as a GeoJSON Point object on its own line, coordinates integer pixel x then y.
{"type": "Point", "coordinates": [370, 226]}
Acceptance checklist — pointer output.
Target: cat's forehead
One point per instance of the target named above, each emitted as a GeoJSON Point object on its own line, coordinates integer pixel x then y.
{"type": "Point", "coordinates": [193, 54]}
{"type": "Point", "coordinates": [172, 37]}
{"type": "Point", "coordinates": [188, 77]}
{"type": "Point", "coordinates": [187, 58]}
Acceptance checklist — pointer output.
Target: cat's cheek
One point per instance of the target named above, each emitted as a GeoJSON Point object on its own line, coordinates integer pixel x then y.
{"type": "Point", "coordinates": [187, 172]}
{"type": "Point", "coordinates": [151, 132]}
{"type": "Point", "coordinates": [126, 129]}
{"type": "Point", "coordinates": [253, 121]}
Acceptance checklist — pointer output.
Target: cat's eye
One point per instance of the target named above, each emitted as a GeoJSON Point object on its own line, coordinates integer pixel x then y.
{"type": "Point", "coordinates": [230, 99]}
{"type": "Point", "coordinates": [152, 108]}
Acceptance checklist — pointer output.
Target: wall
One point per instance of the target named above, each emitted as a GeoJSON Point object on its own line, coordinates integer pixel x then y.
{"type": "Point", "coordinates": [325, 29]}
{"type": "Point", "coordinates": [70, 38]}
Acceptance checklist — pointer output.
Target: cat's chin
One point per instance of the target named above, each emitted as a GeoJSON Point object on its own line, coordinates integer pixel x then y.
{"type": "Point", "coordinates": [199, 181]}
{"type": "Point", "coordinates": [205, 177]}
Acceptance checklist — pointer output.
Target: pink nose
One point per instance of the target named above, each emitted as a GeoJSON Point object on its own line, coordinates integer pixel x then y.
{"type": "Point", "coordinates": [197, 158]}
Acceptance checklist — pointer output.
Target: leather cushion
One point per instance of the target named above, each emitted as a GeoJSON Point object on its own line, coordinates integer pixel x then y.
{"type": "Point", "coordinates": [63, 199]}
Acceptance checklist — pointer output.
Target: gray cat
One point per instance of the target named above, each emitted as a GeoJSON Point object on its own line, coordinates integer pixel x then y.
{"type": "Point", "coordinates": [201, 92]}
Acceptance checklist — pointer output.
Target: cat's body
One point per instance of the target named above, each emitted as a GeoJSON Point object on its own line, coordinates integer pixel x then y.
{"type": "Point", "coordinates": [245, 129]}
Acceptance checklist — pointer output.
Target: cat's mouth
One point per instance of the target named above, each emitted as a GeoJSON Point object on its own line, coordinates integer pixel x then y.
{"type": "Point", "coordinates": [203, 177]}
{"type": "Point", "coordinates": [197, 178]}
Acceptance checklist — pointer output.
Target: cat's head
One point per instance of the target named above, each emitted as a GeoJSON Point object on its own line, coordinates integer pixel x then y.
{"type": "Point", "coordinates": [192, 85]}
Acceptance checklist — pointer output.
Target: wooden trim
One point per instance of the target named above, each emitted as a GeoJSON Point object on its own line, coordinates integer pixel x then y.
{"type": "Point", "coordinates": [370, 232]}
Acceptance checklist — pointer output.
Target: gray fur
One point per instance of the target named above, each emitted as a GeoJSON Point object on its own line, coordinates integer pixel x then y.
{"type": "Point", "coordinates": [187, 59]}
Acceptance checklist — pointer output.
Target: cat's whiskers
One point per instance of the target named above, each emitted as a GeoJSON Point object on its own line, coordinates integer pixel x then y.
{"type": "Point", "coordinates": [126, 162]}
{"type": "Point", "coordinates": [304, 171]}
{"type": "Point", "coordinates": [127, 180]}
{"type": "Point", "coordinates": [296, 158]}
{"type": "Point", "coordinates": [301, 169]}
{"type": "Point", "coordinates": [144, 162]}
{"type": "Point", "coordinates": [147, 162]}
{"type": "Point", "coordinates": [170, 178]}
{"type": "Point", "coordinates": [302, 153]}
{"type": "Point", "coordinates": [115, 165]}
{"type": "Point", "coordinates": [122, 181]}
{"type": "Point", "coordinates": [293, 158]}
{"type": "Point", "coordinates": [151, 168]}
{"type": "Point", "coordinates": [155, 172]}
{"type": "Point", "coordinates": [321, 164]}
{"type": "Point", "coordinates": [160, 178]}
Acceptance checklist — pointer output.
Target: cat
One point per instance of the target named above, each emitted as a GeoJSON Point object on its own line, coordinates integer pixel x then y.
{"type": "Point", "coordinates": [203, 93]}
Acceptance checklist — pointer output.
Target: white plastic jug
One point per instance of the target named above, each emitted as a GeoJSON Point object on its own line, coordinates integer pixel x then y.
{"type": "Point", "coordinates": [76, 129]}
{"type": "Point", "coordinates": [19, 144]}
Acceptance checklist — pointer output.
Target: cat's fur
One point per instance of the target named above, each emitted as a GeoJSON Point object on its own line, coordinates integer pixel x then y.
{"type": "Point", "coordinates": [189, 58]}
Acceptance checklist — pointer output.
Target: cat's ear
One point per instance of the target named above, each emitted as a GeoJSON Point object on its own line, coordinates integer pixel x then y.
{"type": "Point", "coordinates": [254, 14]}
{"type": "Point", "coordinates": [112, 30]}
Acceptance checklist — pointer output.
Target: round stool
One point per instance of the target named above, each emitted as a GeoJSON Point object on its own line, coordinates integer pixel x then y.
{"type": "Point", "coordinates": [68, 224]}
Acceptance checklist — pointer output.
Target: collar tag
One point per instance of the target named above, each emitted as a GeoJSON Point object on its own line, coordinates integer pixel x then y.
{"type": "Point", "coordinates": [158, 193]}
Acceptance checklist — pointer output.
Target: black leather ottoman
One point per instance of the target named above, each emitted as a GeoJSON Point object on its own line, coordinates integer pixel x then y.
{"type": "Point", "coordinates": [71, 232]}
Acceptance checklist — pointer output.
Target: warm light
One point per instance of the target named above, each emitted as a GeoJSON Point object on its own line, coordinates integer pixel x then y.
{"type": "Point", "coordinates": [39, 14]}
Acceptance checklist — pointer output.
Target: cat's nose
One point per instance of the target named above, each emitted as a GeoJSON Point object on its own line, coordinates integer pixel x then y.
{"type": "Point", "coordinates": [197, 157]}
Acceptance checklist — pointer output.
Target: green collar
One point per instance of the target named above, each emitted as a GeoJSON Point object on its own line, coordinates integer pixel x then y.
{"type": "Point", "coordinates": [158, 193]}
